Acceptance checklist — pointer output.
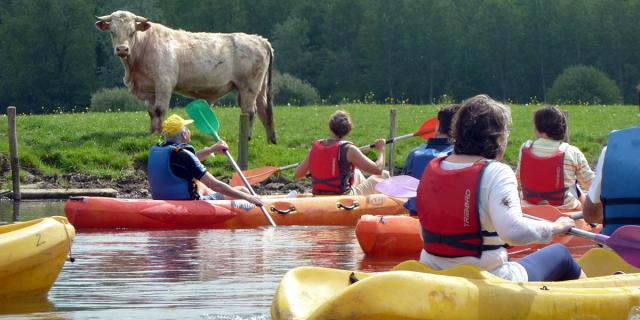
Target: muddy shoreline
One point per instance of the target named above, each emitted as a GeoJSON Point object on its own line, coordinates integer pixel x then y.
{"type": "Point", "coordinates": [134, 185]}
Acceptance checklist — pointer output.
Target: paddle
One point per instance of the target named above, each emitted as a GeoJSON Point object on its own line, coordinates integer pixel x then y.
{"type": "Point", "coordinates": [625, 241]}
{"type": "Point", "coordinates": [427, 130]}
{"type": "Point", "coordinates": [206, 121]}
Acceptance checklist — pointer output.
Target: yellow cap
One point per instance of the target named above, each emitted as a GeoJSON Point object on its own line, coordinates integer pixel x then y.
{"type": "Point", "coordinates": [173, 124]}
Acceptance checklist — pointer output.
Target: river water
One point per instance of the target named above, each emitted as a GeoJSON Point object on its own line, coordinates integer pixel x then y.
{"type": "Point", "coordinates": [183, 274]}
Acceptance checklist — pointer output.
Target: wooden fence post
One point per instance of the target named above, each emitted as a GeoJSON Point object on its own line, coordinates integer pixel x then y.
{"type": "Point", "coordinates": [13, 153]}
{"type": "Point", "coordinates": [392, 145]}
{"type": "Point", "coordinates": [243, 142]}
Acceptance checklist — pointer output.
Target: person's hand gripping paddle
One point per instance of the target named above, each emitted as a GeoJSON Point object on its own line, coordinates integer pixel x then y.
{"type": "Point", "coordinates": [206, 121]}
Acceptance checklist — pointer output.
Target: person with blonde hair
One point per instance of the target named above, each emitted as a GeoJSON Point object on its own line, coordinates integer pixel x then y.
{"type": "Point", "coordinates": [335, 164]}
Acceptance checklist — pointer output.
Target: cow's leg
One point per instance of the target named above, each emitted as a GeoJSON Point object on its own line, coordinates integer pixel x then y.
{"type": "Point", "coordinates": [159, 109]}
{"type": "Point", "coordinates": [247, 102]}
{"type": "Point", "coordinates": [265, 112]}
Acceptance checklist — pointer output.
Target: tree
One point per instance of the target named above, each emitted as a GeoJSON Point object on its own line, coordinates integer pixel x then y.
{"type": "Point", "coordinates": [51, 58]}
{"type": "Point", "coordinates": [584, 84]}
{"type": "Point", "coordinates": [291, 42]}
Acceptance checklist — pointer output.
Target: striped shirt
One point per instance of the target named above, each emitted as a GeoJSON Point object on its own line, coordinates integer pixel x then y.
{"type": "Point", "coordinates": [576, 169]}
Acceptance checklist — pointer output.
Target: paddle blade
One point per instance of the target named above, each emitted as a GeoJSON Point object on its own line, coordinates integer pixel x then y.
{"type": "Point", "coordinates": [625, 241]}
{"type": "Point", "coordinates": [427, 129]}
{"type": "Point", "coordinates": [204, 119]}
{"type": "Point", "coordinates": [399, 186]}
{"type": "Point", "coordinates": [254, 176]}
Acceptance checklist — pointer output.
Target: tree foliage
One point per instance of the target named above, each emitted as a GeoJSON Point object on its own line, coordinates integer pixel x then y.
{"type": "Point", "coordinates": [412, 50]}
{"type": "Point", "coordinates": [584, 84]}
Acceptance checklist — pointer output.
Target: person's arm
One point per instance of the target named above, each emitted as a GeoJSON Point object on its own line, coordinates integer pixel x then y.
{"type": "Point", "coordinates": [584, 174]}
{"type": "Point", "coordinates": [218, 147]}
{"type": "Point", "coordinates": [592, 212]}
{"type": "Point", "coordinates": [302, 169]}
{"type": "Point", "coordinates": [355, 156]}
{"type": "Point", "coordinates": [592, 207]}
{"type": "Point", "coordinates": [506, 213]}
{"type": "Point", "coordinates": [221, 187]}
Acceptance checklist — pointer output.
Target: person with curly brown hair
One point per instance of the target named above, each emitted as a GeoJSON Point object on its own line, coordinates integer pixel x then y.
{"type": "Point", "coordinates": [469, 208]}
{"type": "Point", "coordinates": [335, 164]}
{"type": "Point", "coordinates": [549, 168]}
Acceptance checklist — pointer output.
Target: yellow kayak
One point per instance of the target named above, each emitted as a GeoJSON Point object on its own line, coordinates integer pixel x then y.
{"type": "Point", "coordinates": [414, 291]}
{"type": "Point", "coordinates": [32, 254]}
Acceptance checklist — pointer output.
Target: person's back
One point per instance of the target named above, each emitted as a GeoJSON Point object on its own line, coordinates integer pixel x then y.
{"type": "Point", "coordinates": [468, 204]}
{"type": "Point", "coordinates": [616, 188]}
{"type": "Point", "coordinates": [334, 164]}
{"type": "Point", "coordinates": [438, 146]}
{"type": "Point", "coordinates": [549, 168]}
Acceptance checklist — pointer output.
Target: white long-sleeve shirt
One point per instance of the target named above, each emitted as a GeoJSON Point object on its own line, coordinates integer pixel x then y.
{"type": "Point", "coordinates": [500, 211]}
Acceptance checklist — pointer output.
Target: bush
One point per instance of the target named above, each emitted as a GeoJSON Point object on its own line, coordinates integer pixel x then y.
{"type": "Point", "coordinates": [115, 99]}
{"type": "Point", "coordinates": [584, 84]}
{"type": "Point", "coordinates": [288, 89]}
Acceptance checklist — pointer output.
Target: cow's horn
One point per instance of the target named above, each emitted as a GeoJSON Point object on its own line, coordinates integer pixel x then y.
{"type": "Point", "coordinates": [141, 19]}
{"type": "Point", "coordinates": [104, 18]}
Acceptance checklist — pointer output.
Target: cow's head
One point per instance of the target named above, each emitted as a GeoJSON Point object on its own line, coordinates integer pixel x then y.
{"type": "Point", "coordinates": [123, 26]}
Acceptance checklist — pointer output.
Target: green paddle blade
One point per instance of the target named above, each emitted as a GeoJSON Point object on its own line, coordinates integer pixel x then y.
{"type": "Point", "coordinates": [204, 119]}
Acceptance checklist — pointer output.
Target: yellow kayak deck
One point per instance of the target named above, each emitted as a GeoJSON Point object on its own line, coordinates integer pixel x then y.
{"type": "Point", "coordinates": [414, 291]}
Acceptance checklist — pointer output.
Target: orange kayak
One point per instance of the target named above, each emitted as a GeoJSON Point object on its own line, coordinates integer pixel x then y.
{"type": "Point", "coordinates": [400, 235]}
{"type": "Point", "coordinates": [112, 213]}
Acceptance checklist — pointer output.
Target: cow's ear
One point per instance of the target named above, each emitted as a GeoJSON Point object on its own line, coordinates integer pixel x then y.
{"type": "Point", "coordinates": [143, 26]}
{"type": "Point", "coordinates": [102, 25]}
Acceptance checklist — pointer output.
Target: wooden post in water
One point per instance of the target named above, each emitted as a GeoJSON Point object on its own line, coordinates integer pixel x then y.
{"type": "Point", "coordinates": [243, 142]}
{"type": "Point", "coordinates": [13, 153]}
{"type": "Point", "coordinates": [392, 145]}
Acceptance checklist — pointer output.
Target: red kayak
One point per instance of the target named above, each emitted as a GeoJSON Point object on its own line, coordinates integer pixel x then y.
{"type": "Point", "coordinates": [400, 235]}
{"type": "Point", "coordinates": [112, 213]}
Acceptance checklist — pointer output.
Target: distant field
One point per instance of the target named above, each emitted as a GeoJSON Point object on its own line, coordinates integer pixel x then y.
{"type": "Point", "coordinates": [114, 144]}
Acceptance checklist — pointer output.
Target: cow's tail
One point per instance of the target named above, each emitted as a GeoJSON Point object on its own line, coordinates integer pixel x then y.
{"type": "Point", "coordinates": [269, 110]}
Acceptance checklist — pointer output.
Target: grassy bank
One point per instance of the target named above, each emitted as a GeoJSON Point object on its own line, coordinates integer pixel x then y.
{"type": "Point", "coordinates": [116, 144]}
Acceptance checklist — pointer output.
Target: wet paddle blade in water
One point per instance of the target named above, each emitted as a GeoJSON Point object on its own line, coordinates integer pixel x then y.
{"type": "Point", "coordinates": [402, 186]}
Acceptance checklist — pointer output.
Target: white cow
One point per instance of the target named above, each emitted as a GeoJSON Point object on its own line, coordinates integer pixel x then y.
{"type": "Point", "coordinates": [158, 60]}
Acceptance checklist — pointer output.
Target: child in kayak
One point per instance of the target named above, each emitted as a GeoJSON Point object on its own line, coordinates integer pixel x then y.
{"type": "Point", "coordinates": [335, 164]}
{"type": "Point", "coordinates": [469, 208]}
{"type": "Point", "coordinates": [438, 146]}
{"type": "Point", "coordinates": [549, 168]}
{"type": "Point", "coordinates": [174, 167]}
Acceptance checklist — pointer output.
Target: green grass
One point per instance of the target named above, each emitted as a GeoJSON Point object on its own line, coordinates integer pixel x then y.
{"type": "Point", "coordinates": [115, 144]}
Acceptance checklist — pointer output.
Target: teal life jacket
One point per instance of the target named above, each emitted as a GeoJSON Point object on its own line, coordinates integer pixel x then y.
{"type": "Point", "coordinates": [163, 183]}
{"type": "Point", "coordinates": [620, 193]}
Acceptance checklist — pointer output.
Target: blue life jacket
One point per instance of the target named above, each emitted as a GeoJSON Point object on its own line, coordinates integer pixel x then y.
{"type": "Point", "coordinates": [419, 158]}
{"type": "Point", "coordinates": [621, 180]}
{"type": "Point", "coordinates": [163, 183]}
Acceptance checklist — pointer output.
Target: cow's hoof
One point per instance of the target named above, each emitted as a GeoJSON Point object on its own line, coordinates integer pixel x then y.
{"type": "Point", "coordinates": [272, 140]}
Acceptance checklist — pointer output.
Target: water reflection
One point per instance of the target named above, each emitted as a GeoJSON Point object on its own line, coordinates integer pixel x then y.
{"type": "Point", "coordinates": [193, 274]}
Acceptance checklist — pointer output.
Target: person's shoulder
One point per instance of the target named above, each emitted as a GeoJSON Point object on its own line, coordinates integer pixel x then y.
{"type": "Point", "coordinates": [498, 167]}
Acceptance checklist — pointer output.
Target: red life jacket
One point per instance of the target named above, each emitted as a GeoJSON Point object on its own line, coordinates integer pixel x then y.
{"type": "Point", "coordinates": [448, 210]}
{"type": "Point", "coordinates": [542, 178]}
{"type": "Point", "coordinates": [331, 172]}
